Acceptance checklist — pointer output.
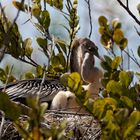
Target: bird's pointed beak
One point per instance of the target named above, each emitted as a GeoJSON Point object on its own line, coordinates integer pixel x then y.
{"type": "Point", "coordinates": [98, 56]}
{"type": "Point", "coordinates": [101, 58]}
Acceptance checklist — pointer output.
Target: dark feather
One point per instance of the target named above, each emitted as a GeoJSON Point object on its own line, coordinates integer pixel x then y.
{"type": "Point", "coordinates": [21, 90]}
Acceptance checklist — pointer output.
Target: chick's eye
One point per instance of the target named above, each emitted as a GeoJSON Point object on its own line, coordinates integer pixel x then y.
{"type": "Point", "coordinates": [69, 98]}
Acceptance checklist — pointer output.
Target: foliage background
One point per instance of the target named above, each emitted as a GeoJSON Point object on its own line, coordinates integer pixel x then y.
{"type": "Point", "coordinates": [118, 112]}
{"type": "Point", "coordinates": [111, 9]}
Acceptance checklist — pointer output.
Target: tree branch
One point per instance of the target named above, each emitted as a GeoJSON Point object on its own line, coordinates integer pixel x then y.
{"type": "Point", "coordinates": [25, 61]}
{"type": "Point", "coordinates": [2, 123]}
{"type": "Point", "coordinates": [135, 61]}
{"type": "Point", "coordinates": [128, 11]}
{"type": "Point", "coordinates": [90, 17]}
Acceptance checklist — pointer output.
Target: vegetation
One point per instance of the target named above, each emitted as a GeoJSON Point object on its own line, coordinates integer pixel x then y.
{"type": "Point", "coordinates": [117, 112]}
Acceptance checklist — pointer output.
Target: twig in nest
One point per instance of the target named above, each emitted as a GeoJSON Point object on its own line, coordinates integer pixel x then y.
{"type": "Point", "coordinates": [2, 123]}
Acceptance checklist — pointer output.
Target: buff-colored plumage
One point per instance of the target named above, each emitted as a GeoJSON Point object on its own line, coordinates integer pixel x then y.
{"type": "Point", "coordinates": [66, 101]}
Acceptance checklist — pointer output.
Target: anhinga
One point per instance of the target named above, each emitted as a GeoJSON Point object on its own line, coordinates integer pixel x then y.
{"type": "Point", "coordinates": [82, 61]}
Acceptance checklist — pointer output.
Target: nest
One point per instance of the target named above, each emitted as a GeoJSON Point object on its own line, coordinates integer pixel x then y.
{"type": "Point", "coordinates": [83, 126]}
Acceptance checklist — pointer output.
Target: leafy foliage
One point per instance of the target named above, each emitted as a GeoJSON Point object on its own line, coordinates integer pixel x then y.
{"type": "Point", "coordinates": [111, 33]}
{"type": "Point", "coordinates": [121, 96]}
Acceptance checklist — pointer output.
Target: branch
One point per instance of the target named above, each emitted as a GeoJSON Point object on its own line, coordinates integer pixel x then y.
{"type": "Point", "coordinates": [137, 30]}
{"type": "Point", "coordinates": [2, 123]}
{"type": "Point", "coordinates": [127, 3]}
{"type": "Point", "coordinates": [44, 5]}
{"type": "Point", "coordinates": [134, 60]}
{"type": "Point", "coordinates": [25, 61]}
{"type": "Point", "coordinates": [90, 17]}
{"type": "Point", "coordinates": [33, 62]}
{"type": "Point", "coordinates": [128, 11]}
{"type": "Point", "coordinates": [128, 59]}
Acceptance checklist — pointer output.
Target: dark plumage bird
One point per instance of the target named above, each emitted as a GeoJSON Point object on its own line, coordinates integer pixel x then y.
{"type": "Point", "coordinates": [21, 90]}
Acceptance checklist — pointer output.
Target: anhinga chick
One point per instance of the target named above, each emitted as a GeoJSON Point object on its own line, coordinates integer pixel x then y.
{"type": "Point", "coordinates": [82, 61]}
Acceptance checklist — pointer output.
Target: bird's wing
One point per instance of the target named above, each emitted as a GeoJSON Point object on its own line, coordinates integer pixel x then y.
{"type": "Point", "coordinates": [26, 88]}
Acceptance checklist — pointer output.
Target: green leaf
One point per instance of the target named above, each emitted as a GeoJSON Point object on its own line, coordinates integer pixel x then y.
{"type": "Point", "coordinates": [131, 125]}
{"type": "Point", "coordinates": [108, 59]}
{"type": "Point", "coordinates": [118, 36]}
{"type": "Point", "coordinates": [116, 62]}
{"type": "Point", "coordinates": [44, 19]}
{"type": "Point", "coordinates": [27, 42]}
{"type": "Point", "coordinates": [64, 79]}
{"type": "Point", "coordinates": [111, 102]}
{"type": "Point", "coordinates": [36, 10]}
{"type": "Point", "coordinates": [63, 45]}
{"type": "Point", "coordinates": [74, 80]}
{"type": "Point", "coordinates": [102, 21]}
{"type": "Point", "coordinates": [55, 62]}
{"type": "Point", "coordinates": [39, 71]}
{"type": "Point", "coordinates": [138, 51]}
{"type": "Point", "coordinates": [42, 42]}
{"type": "Point", "coordinates": [114, 88]}
{"type": "Point", "coordinates": [3, 75]}
{"type": "Point", "coordinates": [102, 30]}
{"type": "Point", "coordinates": [62, 59]}
{"type": "Point", "coordinates": [100, 106]}
{"type": "Point", "coordinates": [21, 6]}
{"type": "Point", "coordinates": [116, 24]}
{"type": "Point", "coordinates": [138, 8]}
{"type": "Point", "coordinates": [115, 75]}
{"type": "Point", "coordinates": [121, 115]}
{"type": "Point", "coordinates": [33, 102]}
{"type": "Point", "coordinates": [105, 81]}
{"type": "Point", "coordinates": [29, 75]}
{"type": "Point", "coordinates": [126, 102]}
{"type": "Point", "coordinates": [105, 40]}
{"type": "Point", "coordinates": [126, 78]}
{"type": "Point", "coordinates": [43, 108]}
{"type": "Point", "coordinates": [11, 110]}
{"type": "Point", "coordinates": [106, 66]}
{"type": "Point", "coordinates": [50, 2]}
{"type": "Point", "coordinates": [56, 3]}
{"type": "Point", "coordinates": [123, 43]}
{"type": "Point", "coordinates": [28, 51]}
{"type": "Point", "coordinates": [89, 104]}
{"type": "Point", "coordinates": [58, 62]}
{"type": "Point", "coordinates": [11, 79]}
{"type": "Point", "coordinates": [111, 128]}
{"type": "Point", "coordinates": [7, 69]}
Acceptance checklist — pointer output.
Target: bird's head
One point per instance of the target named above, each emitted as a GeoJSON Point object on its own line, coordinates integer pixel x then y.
{"type": "Point", "coordinates": [89, 47]}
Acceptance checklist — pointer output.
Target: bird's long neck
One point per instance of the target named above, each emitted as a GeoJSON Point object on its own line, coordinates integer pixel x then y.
{"type": "Point", "coordinates": [88, 71]}
{"type": "Point", "coordinates": [76, 59]}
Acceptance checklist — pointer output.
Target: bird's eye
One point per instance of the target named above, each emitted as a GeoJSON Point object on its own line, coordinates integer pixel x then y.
{"type": "Point", "coordinates": [69, 98]}
{"type": "Point", "coordinates": [90, 48]}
